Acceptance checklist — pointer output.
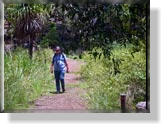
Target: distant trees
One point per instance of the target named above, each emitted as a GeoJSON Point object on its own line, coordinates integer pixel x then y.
{"type": "Point", "coordinates": [100, 24]}
{"type": "Point", "coordinates": [87, 25]}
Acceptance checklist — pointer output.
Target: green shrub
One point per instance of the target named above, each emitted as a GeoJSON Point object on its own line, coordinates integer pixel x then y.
{"type": "Point", "coordinates": [51, 38]}
{"type": "Point", "coordinates": [124, 72]}
{"type": "Point", "coordinates": [25, 79]}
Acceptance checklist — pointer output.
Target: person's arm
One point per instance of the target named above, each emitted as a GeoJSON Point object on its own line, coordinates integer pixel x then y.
{"type": "Point", "coordinates": [67, 66]}
{"type": "Point", "coordinates": [51, 68]}
{"type": "Point", "coordinates": [65, 60]}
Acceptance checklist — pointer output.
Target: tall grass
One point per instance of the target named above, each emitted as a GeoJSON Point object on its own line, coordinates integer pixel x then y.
{"type": "Point", "coordinates": [25, 79]}
{"type": "Point", "coordinates": [104, 86]}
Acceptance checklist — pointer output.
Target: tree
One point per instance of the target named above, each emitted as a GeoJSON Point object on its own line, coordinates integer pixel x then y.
{"type": "Point", "coordinates": [27, 21]}
{"type": "Point", "coordinates": [100, 24]}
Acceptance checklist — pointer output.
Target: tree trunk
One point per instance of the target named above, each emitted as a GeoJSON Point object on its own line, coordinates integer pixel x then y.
{"type": "Point", "coordinates": [30, 47]}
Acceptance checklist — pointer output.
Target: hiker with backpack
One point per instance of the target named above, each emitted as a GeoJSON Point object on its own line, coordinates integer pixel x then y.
{"type": "Point", "coordinates": [59, 66]}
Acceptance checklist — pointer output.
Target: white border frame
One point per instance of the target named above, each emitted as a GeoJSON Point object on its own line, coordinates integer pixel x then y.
{"type": "Point", "coordinates": [154, 81]}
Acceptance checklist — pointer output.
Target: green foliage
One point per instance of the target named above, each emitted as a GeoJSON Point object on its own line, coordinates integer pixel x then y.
{"type": "Point", "coordinates": [14, 11]}
{"type": "Point", "coordinates": [27, 20]}
{"type": "Point", "coordinates": [25, 79]}
{"type": "Point", "coordinates": [98, 25]}
{"type": "Point", "coordinates": [85, 25]}
{"type": "Point", "coordinates": [51, 38]}
{"type": "Point", "coordinates": [105, 86]}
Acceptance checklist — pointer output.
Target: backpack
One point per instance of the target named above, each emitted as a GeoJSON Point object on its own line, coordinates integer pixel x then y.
{"type": "Point", "coordinates": [62, 55]}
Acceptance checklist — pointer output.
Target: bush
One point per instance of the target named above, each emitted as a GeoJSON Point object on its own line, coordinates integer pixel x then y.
{"type": "Point", "coordinates": [51, 38]}
{"type": "Point", "coordinates": [25, 79]}
{"type": "Point", "coordinates": [123, 72]}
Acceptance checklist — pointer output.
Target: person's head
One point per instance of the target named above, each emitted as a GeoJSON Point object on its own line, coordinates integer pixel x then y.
{"type": "Point", "coordinates": [57, 50]}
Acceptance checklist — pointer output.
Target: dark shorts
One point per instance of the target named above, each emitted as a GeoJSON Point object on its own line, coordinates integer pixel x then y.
{"type": "Point", "coordinates": [59, 74]}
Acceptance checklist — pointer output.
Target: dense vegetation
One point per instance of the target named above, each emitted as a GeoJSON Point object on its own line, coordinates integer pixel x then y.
{"type": "Point", "coordinates": [111, 39]}
{"type": "Point", "coordinates": [107, 79]}
{"type": "Point", "coordinates": [25, 79]}
{"type": "Point", "coordinates": [79, 25]}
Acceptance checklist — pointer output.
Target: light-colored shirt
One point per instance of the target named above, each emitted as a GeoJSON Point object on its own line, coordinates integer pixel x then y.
{"type": "Point", "coordinates": [59, 62]}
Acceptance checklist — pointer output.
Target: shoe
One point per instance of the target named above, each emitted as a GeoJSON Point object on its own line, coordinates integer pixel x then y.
{"type": "Point", "coordinates": [57, 92]}
{"type": "Point", "coordinates": [64, 90]}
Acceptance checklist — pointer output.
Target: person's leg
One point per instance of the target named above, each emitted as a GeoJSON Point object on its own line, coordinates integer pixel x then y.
{"type": "Point", "coordinates": [57, 78]}
{"type": "Point", "coordinates": [62, 74]}
{"type": "Point", "coordinates": [62, 85]}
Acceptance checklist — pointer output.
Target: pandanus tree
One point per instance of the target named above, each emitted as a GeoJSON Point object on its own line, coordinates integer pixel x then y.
{"type": "Point", "coordinates": [28, 20]}
{"type": "Point", "coordinates": [29, 24]}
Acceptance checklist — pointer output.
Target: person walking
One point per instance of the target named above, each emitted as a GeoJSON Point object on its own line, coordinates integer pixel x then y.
{"type": "Point", "coordinates": [59, 66]}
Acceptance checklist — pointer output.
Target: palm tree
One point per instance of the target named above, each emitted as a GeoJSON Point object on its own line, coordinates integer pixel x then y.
{"type": "Point", "coordinates": [28, 20]}
{"type": "Point", "coordinates": [29, 23]}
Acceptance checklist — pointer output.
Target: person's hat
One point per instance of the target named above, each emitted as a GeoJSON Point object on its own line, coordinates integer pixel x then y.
{"type": "Point", "coordinates": [57, 48]}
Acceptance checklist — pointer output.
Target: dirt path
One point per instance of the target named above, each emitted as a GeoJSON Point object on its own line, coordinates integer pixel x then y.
{"type": "Point", "coordinates": [72, 99]}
